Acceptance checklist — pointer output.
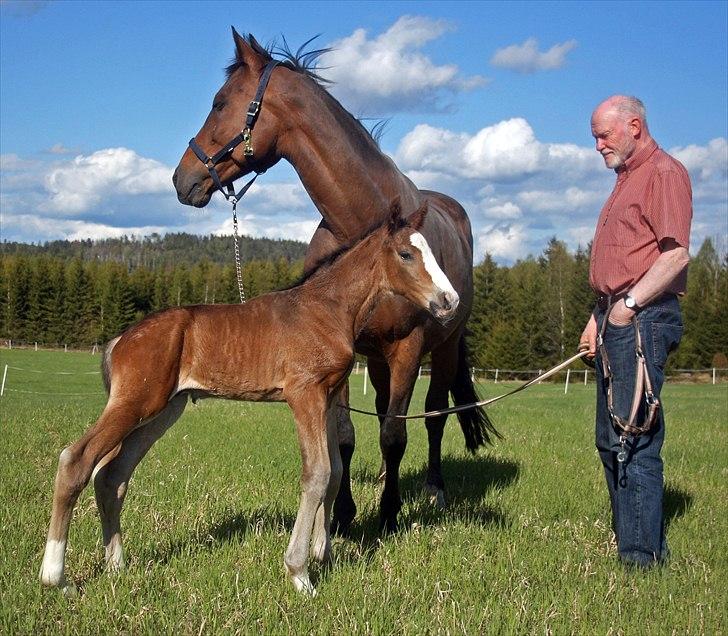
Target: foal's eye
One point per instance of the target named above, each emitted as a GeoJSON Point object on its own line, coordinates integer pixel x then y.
{"type": "Point", "coordinates": [405, 255]}
{"type": "Point", "coordinates": [218, 106]}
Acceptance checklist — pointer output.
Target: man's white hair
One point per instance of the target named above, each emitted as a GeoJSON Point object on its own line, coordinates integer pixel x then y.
{"type": "Point", "coordinates": [629, 106]}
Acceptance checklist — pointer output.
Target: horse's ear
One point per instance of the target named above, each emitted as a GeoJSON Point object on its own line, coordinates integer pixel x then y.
{"type": "Point", "coordinates": [395, 216]}
{"type": "Point", "coordinates": [245, 52]}
{"type": "Point", "coordinates": [416, 220]}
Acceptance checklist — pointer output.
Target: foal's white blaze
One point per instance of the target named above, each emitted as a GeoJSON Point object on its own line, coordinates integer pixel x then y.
{"type": "Point", "coordinates": [433, 269]}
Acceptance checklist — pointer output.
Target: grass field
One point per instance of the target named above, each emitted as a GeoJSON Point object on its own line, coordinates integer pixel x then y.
{"type": "Point", "coordinates": [523, 548]}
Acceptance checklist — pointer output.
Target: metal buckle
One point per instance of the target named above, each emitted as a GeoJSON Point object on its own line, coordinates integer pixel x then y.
{"type": "Point", "coordinates": [253, 109]}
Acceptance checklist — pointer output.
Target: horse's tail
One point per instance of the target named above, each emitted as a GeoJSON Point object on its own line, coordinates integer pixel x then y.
{"type": "Point", "coordinates": [106, 364]}
{"type": "Point", "coordinates": [476, 425]}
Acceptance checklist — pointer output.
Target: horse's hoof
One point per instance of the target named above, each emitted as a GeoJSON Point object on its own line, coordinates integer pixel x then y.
{"type": "Point", "coordinates": [436, 496]}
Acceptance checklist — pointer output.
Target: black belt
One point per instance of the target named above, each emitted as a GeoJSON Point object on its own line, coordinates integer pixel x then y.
{"type": "Point", "coordinates": [603, 301]}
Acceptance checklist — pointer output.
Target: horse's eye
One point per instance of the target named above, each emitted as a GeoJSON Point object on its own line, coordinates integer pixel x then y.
{"type": "Point", "coordinates": [405, 255]}
{"type": "Point", "coordinates": [218, 106]}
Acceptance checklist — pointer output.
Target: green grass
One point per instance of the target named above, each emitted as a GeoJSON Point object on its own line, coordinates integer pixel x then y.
{"type": "Point", "coordinates": [524, 546]}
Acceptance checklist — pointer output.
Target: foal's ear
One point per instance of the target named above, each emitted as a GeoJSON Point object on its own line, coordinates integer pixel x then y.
{"type": "Point", "coordinates": [247, 52]}
{"type": "Point", "coordinates": [416, 219]}
{"type": "Point", "coordinates": [395, 216]}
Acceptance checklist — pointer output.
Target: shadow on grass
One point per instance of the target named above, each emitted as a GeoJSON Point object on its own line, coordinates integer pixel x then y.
{"type": "Point", "coordinates": [468, 481]}
{"type": "Point", "coordinates": [675, 503]}
{"type": "Point", "coordinates": [234, 527]}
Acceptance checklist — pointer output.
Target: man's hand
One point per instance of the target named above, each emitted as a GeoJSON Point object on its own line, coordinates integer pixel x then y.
{"type": "Point", "coordinates": [588, 340]}
{"type": "Point", "coordinates": [621, 315]}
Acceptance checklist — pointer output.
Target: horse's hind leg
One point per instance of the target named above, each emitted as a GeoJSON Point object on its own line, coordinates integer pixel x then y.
{"type": "Point", "coordinates": [344, 506]}
{"type": "Point", "coordinates": [444, 368]}
{"type": "Point", "coordinates": [111, 476]}
{"type": "Point", "coordinates": [321, 546]}
{"type": "Point", "coordinates": [75, 465]}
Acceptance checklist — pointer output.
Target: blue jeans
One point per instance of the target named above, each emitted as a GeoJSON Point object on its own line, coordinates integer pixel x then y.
{"type": "Point", "coordinates": [636, 484]}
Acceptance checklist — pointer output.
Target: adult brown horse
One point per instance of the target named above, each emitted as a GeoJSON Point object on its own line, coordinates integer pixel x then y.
{"type": "Point", "coordinates": [295, 345]}
{"type": "Point", "coordinates": [350, 181]}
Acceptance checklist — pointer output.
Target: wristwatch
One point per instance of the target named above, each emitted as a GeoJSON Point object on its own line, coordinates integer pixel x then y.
{"type": "Point", "coordinates": [631, 303]}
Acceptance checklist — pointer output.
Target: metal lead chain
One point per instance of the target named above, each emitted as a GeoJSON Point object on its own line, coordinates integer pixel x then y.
{"type": "Point", "coordinates": [622, 454]}
{"type": "Point", "coordinates": [238, 270]}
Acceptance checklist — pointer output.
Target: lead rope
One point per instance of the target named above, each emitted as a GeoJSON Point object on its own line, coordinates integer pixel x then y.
{"type": "Point", "coordinates": [465, 407]}
{"type": "Point", "coordinates": [238, 269]}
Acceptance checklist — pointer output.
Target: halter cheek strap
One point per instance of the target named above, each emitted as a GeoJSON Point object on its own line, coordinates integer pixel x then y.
{"type": "Point", "coordinates": [243, 137]}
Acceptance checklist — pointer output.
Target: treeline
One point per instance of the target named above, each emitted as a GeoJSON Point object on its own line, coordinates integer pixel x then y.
{"type": "Point", "coordinates": [155, 251]}
{"type": "Point", "coordinates": [52, 300]}
{"type": "Point", "coordinates": [526, 316]}
{"type": "Point", "coordinates": [531, 315]}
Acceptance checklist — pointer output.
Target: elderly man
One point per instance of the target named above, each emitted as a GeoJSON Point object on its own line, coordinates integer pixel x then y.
{"type": "Point", "coordinates": [638, 268]}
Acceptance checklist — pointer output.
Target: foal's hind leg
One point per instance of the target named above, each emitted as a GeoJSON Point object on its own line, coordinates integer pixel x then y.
{"type": "Point", "coordinates": [321, 546]}
{"type": "Point", "coordinates": [111, 477]}
{"type": "Point", "coordinates": [75, 465]}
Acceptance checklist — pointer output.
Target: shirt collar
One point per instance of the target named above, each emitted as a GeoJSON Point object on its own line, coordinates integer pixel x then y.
{"type": "Point", "coordinates": [639, 157]}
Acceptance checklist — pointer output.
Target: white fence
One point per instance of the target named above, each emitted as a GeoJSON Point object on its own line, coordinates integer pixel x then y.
{"type": "Point", "coordinates": [570, 376]}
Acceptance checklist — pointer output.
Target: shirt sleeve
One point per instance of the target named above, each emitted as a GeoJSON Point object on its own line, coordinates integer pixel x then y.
{"type": "Point", "coordinates": [671, 211]}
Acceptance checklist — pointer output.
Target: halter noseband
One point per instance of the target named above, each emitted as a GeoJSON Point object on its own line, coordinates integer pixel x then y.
{"type": "Point", "coordinates": [243, 137]}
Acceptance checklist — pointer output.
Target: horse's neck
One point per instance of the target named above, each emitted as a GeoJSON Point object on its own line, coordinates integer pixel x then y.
{"type": "Point", "coordinates": [349, 180]}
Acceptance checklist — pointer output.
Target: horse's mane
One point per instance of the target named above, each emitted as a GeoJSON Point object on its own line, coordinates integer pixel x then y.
{"type": "Point", "coordinates": [306, 63]}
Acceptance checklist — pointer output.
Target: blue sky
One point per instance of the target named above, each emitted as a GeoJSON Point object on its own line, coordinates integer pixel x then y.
{"type": "Point", "coordinates": [98, 100]}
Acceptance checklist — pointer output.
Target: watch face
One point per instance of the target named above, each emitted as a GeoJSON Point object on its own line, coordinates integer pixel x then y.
{"type": "Point", "coordinates": [629, 301]}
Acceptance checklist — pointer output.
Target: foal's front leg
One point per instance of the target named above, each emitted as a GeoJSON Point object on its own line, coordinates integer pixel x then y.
{"type": "Point", "coordinates": [309, 410]}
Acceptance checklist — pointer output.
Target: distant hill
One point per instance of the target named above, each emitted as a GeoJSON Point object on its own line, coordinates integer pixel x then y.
{"type": "Point", "coordinates": [157, 251]}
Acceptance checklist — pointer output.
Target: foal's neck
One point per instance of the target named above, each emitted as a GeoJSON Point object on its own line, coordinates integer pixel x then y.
{"type": "Point", "coordinates": [349, 180]}
{"type": "Point", "coordinates": [351, 285]}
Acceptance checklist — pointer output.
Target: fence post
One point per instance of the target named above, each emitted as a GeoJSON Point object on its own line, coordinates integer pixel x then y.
{"type": "Point", "coordinates": [419, 372]}
{"type": "Point", "coordinates": [566, 384]}
{"type": "Point", "coordinates": [713, 375]}
{"type": "Point", "coordinates": [586, 371]}
{"type": "Point", "coordinates": [357, 367]}
{"type": "Point", "coordinates": [65, 348]}
{"type": "Point", "coordinates": [36, 346]}
{"type": "Point", "coordinates": [496, 376]}
{"type": "Point", "coordinates": [5, 375]}
{"type": "Point", "coordinates": [366, 375]}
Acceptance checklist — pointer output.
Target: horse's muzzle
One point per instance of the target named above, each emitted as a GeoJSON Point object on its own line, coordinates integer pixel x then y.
{"type": "Point", "coordinates": [190, 188]}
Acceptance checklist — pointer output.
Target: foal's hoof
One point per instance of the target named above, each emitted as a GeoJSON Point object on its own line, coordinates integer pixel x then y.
{"type": "Point", "coordinates": [436, 496]}
{"type": "Point", "coordinates": [303, 585]}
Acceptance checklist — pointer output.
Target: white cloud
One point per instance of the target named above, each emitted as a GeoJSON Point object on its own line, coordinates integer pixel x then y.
{"type": "Point", "coordinates": [507, 150]}
{"type": "Point", "coordinates": [82, 183]}
{"type": "Point", "coordinates": [389, 72]}
{"type": "Point", "coordinates": [526, 58]}
{"type": "Point", "coordinates": [502, 241]}
{"type": "Point", "coordinates": [704, 162]}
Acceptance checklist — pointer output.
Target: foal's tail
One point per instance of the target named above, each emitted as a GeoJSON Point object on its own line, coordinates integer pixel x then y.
{"type": "Point", "coordinates": [106, 363]}
{"type": "Point", "coordinates": [476, 425]}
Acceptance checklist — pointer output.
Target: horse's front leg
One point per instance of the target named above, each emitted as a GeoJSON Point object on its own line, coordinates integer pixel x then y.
{"type": "Point", "coordinates": [404, 360]}
{"type": "Point", "coordinates": [321, 547]}
{"type": "Point", "coordinates": [309, 407]}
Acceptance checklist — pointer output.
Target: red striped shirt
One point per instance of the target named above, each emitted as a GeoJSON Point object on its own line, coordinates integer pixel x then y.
{"type": "Point", "coordinates": [651, 201]}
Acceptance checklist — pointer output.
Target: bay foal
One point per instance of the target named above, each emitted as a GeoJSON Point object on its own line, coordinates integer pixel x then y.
{"type": "Point", "coordinates": [295, 346]}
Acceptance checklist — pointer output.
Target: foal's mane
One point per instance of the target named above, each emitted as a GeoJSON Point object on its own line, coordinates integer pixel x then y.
{"type": "Point", "coordinates": [306, 63]}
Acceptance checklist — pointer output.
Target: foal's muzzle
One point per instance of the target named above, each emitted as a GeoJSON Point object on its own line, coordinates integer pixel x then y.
{"type": "Point", "coordinates": [444, 306]}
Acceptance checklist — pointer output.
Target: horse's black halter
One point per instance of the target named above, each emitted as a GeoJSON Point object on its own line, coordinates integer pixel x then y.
{"type": "Point", "coordinates": [244, 137]}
